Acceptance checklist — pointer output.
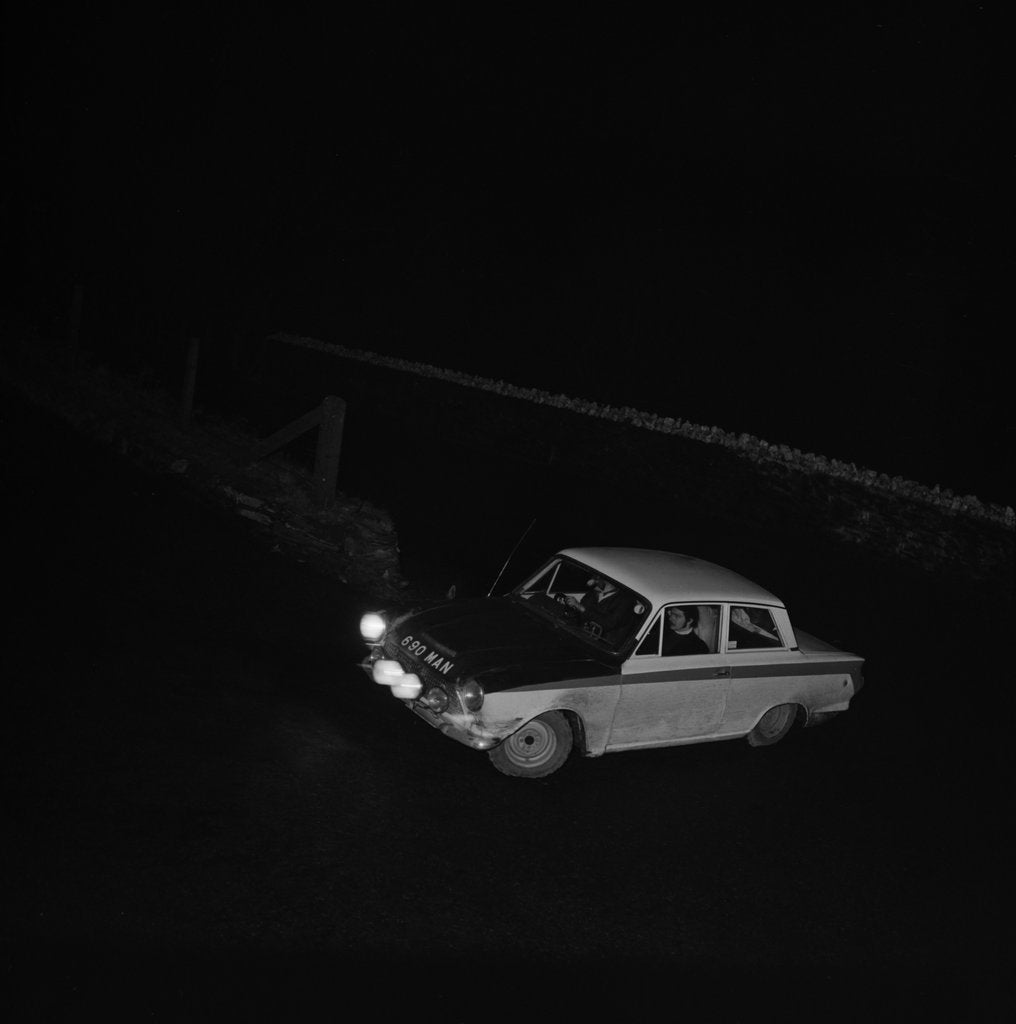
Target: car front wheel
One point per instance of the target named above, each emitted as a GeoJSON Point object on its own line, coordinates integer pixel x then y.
{"type": "Point", "coordinates": [773, 725]}
{"type": "Point", "coordinates": [537, 749]}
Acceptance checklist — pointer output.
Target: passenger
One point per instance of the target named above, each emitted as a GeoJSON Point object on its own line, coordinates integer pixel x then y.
{"type": "Point", "coordinates": [680, 637]}
{"type": "Point", "coordinates": [746, 633]}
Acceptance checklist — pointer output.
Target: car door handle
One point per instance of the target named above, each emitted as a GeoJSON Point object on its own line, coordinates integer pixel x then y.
{"type": "Point", "coordinates": [722, 672]}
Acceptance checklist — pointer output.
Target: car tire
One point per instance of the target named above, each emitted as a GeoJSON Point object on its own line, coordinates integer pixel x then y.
{"type": "Point", "coordinates": [773, 725]}
{"type": "Point", "coordinates": [537, 749]}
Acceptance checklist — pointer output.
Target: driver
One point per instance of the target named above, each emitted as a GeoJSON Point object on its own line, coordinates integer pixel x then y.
{"type": "Point", "coordinates": [602, 604]}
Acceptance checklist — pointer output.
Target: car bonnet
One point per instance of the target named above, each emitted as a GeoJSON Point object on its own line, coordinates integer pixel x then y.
{"type": "Point", "coordinates": [496, 641]}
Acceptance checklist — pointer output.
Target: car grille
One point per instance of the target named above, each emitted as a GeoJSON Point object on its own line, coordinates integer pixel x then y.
{"type": "Point", "coordinates": [427, 675]}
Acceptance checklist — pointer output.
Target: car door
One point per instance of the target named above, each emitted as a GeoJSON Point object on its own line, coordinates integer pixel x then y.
{"type": "Point", "coordinates": [763, 671]}
{"type": "Point", "coordinates": [669, 699]}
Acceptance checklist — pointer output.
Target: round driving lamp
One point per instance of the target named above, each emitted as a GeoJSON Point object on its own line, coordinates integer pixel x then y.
{"type": "Point", "coordinates": [372, 627]}
{"type": "Point", "coordinates": [436, 699]}
{"type": "Point", "coordinates": [471, 695]}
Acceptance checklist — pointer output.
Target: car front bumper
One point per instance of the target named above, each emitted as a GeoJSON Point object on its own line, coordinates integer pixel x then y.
{"type": "Point", "coordinates": [464, 728]}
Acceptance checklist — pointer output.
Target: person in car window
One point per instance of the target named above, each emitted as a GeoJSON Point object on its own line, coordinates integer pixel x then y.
{"type": "Point", "coordinates": [603, 606]}
{"type": "Point", "coordinates": [680, 637]}
{"type": "Point", "coordinates": [746, 633]}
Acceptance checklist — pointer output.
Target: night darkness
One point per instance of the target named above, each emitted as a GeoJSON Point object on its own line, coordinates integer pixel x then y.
{"type": "Point", "coordinates": [760, 221]}
{"type": "Point", "coordinates": [768, 222]}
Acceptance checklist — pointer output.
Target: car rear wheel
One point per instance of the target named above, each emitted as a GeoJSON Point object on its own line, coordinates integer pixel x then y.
{"type": "Point", "coordinates": [773, 725]}
{"type": "Point", "coordinates": [537, 749]}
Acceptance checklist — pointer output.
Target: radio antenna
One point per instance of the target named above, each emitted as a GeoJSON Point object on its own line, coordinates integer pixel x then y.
{"type": "Point", "coordinates": [510, 556]}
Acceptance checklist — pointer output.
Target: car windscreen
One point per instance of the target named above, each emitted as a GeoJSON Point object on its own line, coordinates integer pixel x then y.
{"type": "Point", "coordinates": [577, 598]}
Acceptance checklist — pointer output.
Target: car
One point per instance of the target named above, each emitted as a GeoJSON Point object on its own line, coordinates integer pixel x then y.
{"type": "Point", "coordinates": [606, 649]}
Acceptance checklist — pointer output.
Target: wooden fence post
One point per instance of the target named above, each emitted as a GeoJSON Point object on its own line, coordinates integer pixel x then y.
{"type": "Point", "coordinates": [189, 379]}
{"type": "Point", "coordinates": [329, 447]}
{"type": "Point", "coordinates": [329, 417]}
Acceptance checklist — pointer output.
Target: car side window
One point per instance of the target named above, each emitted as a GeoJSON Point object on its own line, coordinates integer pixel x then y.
{"type": "Point", "coordinates": [651, 641]}
{"type": "Point", "coordinates": [752, 629]}
{"type": "Point", "coordinates": [690, 629]}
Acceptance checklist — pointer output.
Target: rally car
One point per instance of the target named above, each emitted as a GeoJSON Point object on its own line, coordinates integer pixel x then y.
{"type": "Point", "coordinates": [608, 649]}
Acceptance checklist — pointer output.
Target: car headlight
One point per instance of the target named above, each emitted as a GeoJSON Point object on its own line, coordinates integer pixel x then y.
{"type": "Point", "coordinates": [372, 627]}
{"type": "Point", "coordinates": [436, 699]}
{"type": "Point", "coordinates": [405, 685]}
{"type": "Point", "coordinates": [471, 695]}
{"type": "Point", "coordinates": [408, 688]}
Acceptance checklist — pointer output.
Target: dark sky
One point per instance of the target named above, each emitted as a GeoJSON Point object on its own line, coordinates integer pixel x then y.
{"type": "Point", "coordinates": [750, 218]}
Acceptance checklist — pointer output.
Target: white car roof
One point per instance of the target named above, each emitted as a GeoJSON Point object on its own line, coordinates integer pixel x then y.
{"type": "Point", "coordinates": [664, 576]}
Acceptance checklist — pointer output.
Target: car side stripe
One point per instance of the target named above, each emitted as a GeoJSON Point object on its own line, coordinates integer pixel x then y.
{"type": "Point", "coordinates": [736, 671]}
{"type": "Point", "coordinates": [676, 675]}
{"type": "Point", "coordinates": [828, 668]}
{"type": "Point", "coordinates": [566, 684]}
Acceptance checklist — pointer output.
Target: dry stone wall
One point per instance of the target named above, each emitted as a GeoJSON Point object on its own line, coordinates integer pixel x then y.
{"type": "Point", "coordinates": [719, 473]}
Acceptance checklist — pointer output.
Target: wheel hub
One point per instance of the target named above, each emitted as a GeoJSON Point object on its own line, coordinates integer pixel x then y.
{"type": "Point", "coordinates": [533, 745]}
